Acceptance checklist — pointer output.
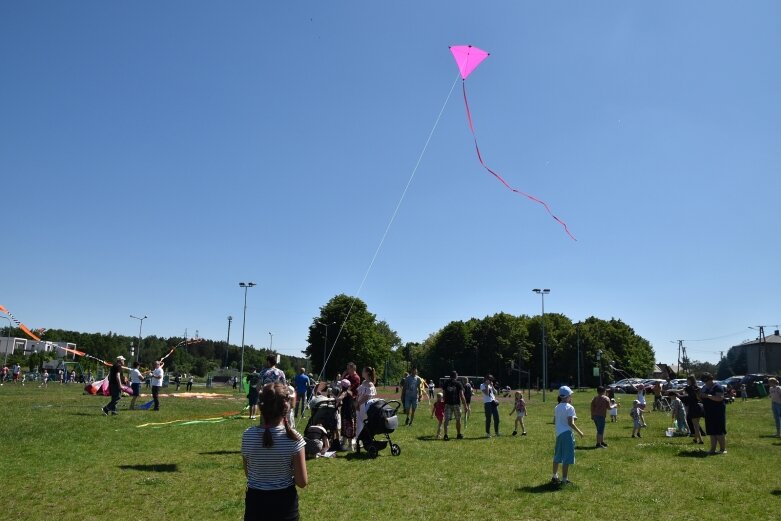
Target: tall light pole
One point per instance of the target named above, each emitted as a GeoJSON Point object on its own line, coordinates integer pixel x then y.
{"type": "Point", "coordinates": [599, 364]}
{"type": "Point", "coordinates": [8, 342]}
{"type": "Point", "coordinates": [542, 293]}
{"type": "Point", "coordinates": [325, 345]}
{"type": "Point", "coordinates": [246, 286]}
{"type": "Point", "coordinates": [227, 348]}
{"type": "Point", "coordinates": [140, 324]}
{"type": "Point", "coordinates": [271, 341]}
{"type": "Point", "coordinates": [577, 327]}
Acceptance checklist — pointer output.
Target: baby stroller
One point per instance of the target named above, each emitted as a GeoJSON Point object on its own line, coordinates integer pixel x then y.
{"type": "Point", "coordinates": [380, 419]}
{"type": "Point", "coordinates": [323, 423]}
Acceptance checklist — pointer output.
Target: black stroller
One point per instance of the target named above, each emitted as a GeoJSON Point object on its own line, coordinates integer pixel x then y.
{"type": "Point", "coordinates": [323, 417]}
{"type": "Point", "coordinates": [380, 419]}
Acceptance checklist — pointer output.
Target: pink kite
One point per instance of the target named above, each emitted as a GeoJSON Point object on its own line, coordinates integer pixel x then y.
{"type": "Point", "coordinates": [468, 58]}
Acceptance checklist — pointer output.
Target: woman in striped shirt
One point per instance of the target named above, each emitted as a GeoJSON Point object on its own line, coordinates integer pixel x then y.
{"type": "Point", "coordinates": [274, 463]}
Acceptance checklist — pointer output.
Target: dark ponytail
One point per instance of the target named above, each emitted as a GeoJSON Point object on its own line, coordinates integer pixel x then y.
{"type": "Point", "coordinates": [275, 404]}
{"type": "Point", "coordinates": [372, 373]}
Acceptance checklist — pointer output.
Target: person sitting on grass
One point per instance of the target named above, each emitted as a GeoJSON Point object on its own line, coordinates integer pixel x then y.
{"type": "Point", "coordinates": [274, 460]}
{"type": "Point", "coordinates": [519, 408]}
{"type": "Point", "coordinates": [564, 452]}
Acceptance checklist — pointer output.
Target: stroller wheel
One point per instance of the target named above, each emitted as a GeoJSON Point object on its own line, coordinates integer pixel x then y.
{"type": "Point", "coordinates": [373, 452]}
{"type": "Point", "coordinates": [395, 449]}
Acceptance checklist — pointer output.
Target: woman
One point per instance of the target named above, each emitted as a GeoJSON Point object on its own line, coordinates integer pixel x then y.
{"type": "Point", "coordinates": [366, 391]}
{"type": "Point", "coordinates": [490, 405]}
{"type": "Point", "coordinates": [715, 408]}
{"type": "Point", "coordinates": [775, 397]}
{"type": "Point", "coordinates": [274, 460]}
{"type": "Point", "coordinates": [691, 399]}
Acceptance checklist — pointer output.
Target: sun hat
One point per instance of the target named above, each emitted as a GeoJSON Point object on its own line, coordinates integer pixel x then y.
{"type": "Point", "coordinates": [120, 357]}
{"type": "Point", "coordinates": [345, 383]}
{"type": "Point", "coordinates": [564, 391]}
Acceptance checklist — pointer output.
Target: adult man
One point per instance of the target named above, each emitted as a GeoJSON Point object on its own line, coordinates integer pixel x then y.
{"type": "Point", "coordinates": [253, 393]}
{"type": "Point", "coordinates": [114, 386]}
{"type": "Point", "coordinates": [16, 369]}
{"type": "Point", "coordinates": [189, 383]}
{"type": "Point", "coordinates": [135, 383]}
{"type": "Point", "coordinates": [354, 378]}
{"type": "Point", "coordinates": [272, 374]}
{"type": "Point", "coordinates": [412, 395]}
{"type": "Point", "coordinates": [157, 382]}
{"type": "Point", "coordinates": [453, 391]}
{"type": "Point", "coordinates": [302, 385]}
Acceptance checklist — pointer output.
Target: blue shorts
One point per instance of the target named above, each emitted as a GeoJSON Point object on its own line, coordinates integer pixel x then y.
{"type": "Point", "coordinates": [136, 389]}
{"type": "Point", "coordinates": [599, 421]}
{"type": "Point", "coordinates": [565, 449]}
{"type": "Point", "coordinates": [411, 402]}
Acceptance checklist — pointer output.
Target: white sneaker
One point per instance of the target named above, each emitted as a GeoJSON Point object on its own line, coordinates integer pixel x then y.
{"type": "Point", "coordinates": [487, 434]}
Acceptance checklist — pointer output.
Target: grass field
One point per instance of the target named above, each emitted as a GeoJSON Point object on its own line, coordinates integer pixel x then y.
{"type": "Point", "coordinates": [62, 459]}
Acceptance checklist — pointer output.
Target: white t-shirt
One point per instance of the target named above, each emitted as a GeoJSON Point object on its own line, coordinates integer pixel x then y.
{"type": "Point", "coordinates": [135, 376]}
{"type": "Point", "coordinates": [561, 415]}
{"type": "Point", "coordinates": [488, 392]}
{"type": "Point", "coordinates": [157, 377]}
{"type": "Point", "coordinates": [641, 398]}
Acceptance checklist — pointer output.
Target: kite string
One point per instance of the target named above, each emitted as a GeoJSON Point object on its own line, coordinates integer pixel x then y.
{"type": "Point", "coordinates": [500, 178]}
{"type": "Point", "coordinates": [390, 222]}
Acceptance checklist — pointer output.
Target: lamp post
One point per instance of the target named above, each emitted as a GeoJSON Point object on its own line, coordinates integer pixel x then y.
{"type": "Point", "coordinates": [577, 327]}
{"type": "Point", "coordinates": [271, 341]}
{"type": "Point", "coordinates": [246, 286]}
{"type": "Point", "coordinates": [8, 341]}
{"type": "Point", "coordinates": [599, 364]}
{"type": "Point", "coordinates": [325, 345]}
{"type": "Point", "coordinates": [140, 324]}
{"type": "Point", "coordinates": [542, 293]}
{"type": "Point", "coordinates": [227, 348]}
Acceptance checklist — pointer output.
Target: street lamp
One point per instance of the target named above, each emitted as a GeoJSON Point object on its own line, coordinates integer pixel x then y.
{"type": "Point", "coordinates": [542, 293]}
{"type": "Point", "coordinates": [325, 345]}
{"type": "Point", "coordinates": [227, 348]}
{"type": "Point", "coordinates": [271, 341]}
{"type": "Point", "coordinates": [246, 286]}
{"type": "Point", "coordinates": [8, 342]}
{"type": "Point", "coordinates": [140, 323]}
{"type": "Point", "coordinates": [599, 364]}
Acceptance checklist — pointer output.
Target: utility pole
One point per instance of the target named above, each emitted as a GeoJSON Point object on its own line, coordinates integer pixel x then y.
{"type": "Point", "coordinates": [577, 327]}
{"type": "Point", "coordinates": [227, 348]}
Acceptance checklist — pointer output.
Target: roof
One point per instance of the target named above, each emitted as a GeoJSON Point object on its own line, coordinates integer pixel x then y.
{"type": "Point", "coordinates": [769, 339]}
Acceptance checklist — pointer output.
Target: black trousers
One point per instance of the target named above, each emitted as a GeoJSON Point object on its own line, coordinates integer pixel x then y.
{"type": "Point", "coordinates": [271, 505]}
{"type": "Point", "coordinates": [155, 393]}
{"type": "Point", "coordinates": [116, 395]}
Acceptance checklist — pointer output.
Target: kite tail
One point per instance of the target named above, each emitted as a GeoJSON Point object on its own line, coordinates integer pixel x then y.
{"type": "Point", "coordinates": [497, 176]}
{"type": "Point", "coordinates": [19, 324]}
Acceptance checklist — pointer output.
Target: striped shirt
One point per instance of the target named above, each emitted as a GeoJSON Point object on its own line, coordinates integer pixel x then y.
{"type": "Point", "coordinates": [269, 468]}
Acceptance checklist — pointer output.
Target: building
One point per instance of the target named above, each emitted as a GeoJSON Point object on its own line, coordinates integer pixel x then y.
{"type": "Point", "coordinates": [9, 346]}
{"type": "Point", "coordinates": [763, 355]}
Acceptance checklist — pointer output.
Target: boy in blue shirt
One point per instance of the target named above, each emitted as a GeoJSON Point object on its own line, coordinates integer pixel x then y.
{"type": "Point", "coordinates": [564, 453]}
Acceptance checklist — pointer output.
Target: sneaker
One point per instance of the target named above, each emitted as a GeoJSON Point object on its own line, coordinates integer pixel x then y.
{"type": "Point", "coordinates": [604, 445]}
{"type": "Point", "coordinates": [460, 437]}
{"type": "Point", "coordinates": [724, 451]}
{"type": "Point", "coordinates": [565, 481]}
{"type": "Point", "coordinates": [599, 446]}
{"type": "Point", "coordinates": [638, 435]}
{"type": "Point", "coordinates": [634, 436]}
{"type": "Point", "coordinates": [498, 434]}
{"type": "Point", "coordinates": [523, 433]}
{"type": "Point", "coordinates": [446, 437]}
{"type": "Point", "coordinates": [406, 422]}
{"type": "Point", "coordinates": [487, 434]}
{"type": "Point", "coordinates": [555, 480]}
{"type": "Point", "coordinates": [105, 411]}
{"type": "Point", "coordinates": [515, 433]}
{"type": "Point", "coordinates": [410, 424]}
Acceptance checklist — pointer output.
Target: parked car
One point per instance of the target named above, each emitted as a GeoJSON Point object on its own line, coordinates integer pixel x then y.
{"type": "Point", "coordinates": [751, 380]}
{"type": "Point", "coordinates": [627, 385]}
{"type": "Point", "coordinates": [677, 384]}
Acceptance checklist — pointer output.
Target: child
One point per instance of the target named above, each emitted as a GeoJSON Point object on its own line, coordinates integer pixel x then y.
{"type": "Point", "coordinates": [317, 443]}
{"type": "Point", "coordinates": [641, 402]}
{"type": "Point", "coordinates": [520, 409]}
{"type": "Point", "coordinates": [743, 394]}
{"type": "Point", "coordinates": [564, 453]}
{"type": "Point", "coordinates": [678, 413]}
{"type": "Point", "coordinates": [438, 410]}
{"type": "Point", "coordinates": [613, 410]}
{"type": "Point", "coordinates": [636, 415]}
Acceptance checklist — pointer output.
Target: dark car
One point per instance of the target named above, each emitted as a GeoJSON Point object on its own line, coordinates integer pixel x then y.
{"type": "Point", "coordinates": [751, 381]}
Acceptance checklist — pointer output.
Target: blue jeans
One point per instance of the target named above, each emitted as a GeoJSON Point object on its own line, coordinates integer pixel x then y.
{"type": "Point", "coordinates": [491, 410]}
{"type": "Point", "coordinates": [777, 415]}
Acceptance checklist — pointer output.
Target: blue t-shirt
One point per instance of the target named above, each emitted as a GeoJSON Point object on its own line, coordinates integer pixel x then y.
{"type": "Point", "coordinates": [302, 383]}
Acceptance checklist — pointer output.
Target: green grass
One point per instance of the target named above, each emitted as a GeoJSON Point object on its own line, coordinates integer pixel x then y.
{"type": "Point", "coordinates": [62, 459]}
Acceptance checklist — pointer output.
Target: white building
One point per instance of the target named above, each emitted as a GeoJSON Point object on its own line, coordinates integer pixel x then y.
{"type": "Point", "coordinates": [9, 346]}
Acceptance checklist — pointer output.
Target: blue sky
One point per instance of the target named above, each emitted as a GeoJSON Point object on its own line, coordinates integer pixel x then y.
{"type": "Point", "coordinates": [155, 154]}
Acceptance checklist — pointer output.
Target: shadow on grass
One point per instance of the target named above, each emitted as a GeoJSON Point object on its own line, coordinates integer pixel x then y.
{"type": "Point", "coordinates": [590, 447]}
{"type": "Point", "coordinates": [768, 436]}
{"type": "Point", "coordinates": [94, 414]}
{"type": "Point", "coordinates": [219, 452]}
{"type": "Point", "coordinates": [695, 453]}
{"type": "Point", "coordinates": [165, 467]}
{"type": "Point", "coordinates": [541, 489]}
{"type": "Point", "coordinates": [776, 492]}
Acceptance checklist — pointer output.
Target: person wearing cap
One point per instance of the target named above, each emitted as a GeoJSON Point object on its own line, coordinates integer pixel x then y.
{"type": "Point", "coordinates": [114, 386]}
{"type": "Point", "coordinates": [564, 452]}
